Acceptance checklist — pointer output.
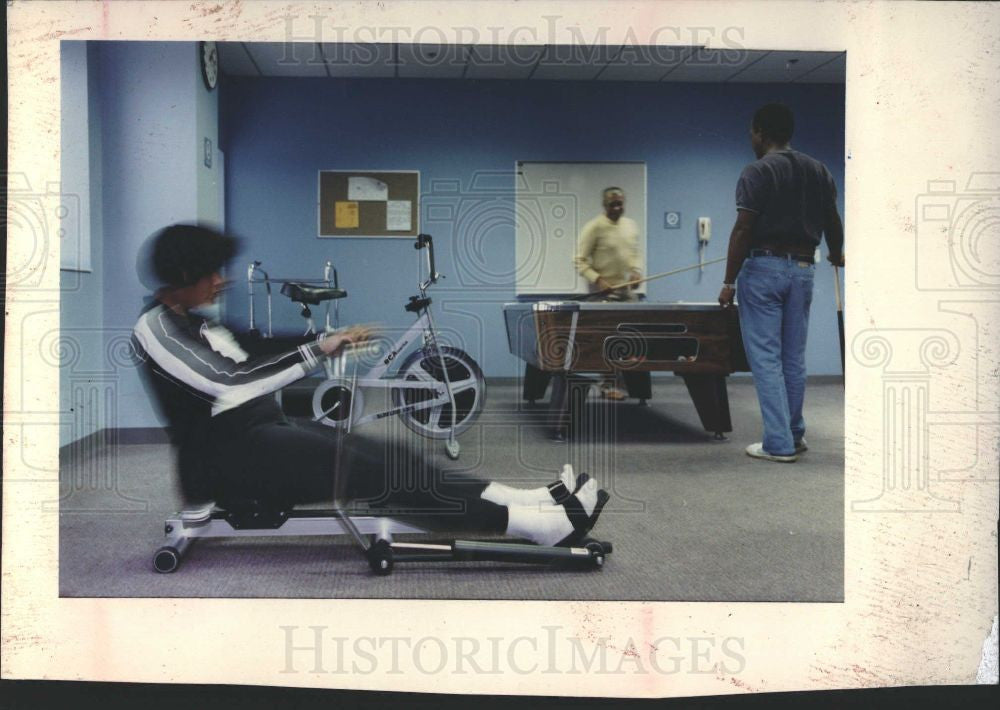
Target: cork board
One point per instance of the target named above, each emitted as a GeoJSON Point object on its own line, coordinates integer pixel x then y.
{"type": "Point", "coordinates": [367, 203]}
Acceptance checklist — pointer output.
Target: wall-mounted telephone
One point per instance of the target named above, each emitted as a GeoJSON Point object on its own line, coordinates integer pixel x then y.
{"type": "Point", "coordinates": [704, 229]}
{"type": "Point", "coordinates": [704, 234]}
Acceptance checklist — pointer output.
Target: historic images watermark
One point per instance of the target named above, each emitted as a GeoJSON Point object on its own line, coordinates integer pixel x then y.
{"type": "Point", "coordinates": [320, 40]}
{"type": "Point", "coordinates": [41, 220]}
{"type": "Point", "coordinates": [494, 207]}
{"type": "Point", "coordinates": [90, 358]}
{"type": "Point", "coordinates": [957, 261]}
{"type": "Point", "coordinates": [93, 363]}
{"type": "Point", "coordinates": [552, 651]}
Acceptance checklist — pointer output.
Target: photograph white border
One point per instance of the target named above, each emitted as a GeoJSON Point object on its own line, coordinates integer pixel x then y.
{"type": "Point", "coordinates": [920, 584]}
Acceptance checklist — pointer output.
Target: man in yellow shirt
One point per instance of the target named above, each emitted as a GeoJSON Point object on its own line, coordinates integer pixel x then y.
{"type": "Point", "coordinates": [607, 255]}
{"type": "Point", "coordinates": [607, 252]}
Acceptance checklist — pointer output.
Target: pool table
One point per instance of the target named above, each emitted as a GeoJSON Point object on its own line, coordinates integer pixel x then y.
{"type": "Point", "coordinates": [574, 342]}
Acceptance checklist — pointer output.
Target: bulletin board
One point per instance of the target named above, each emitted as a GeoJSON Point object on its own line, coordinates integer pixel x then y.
{"type": "Point", "coordinates": [369, 203]}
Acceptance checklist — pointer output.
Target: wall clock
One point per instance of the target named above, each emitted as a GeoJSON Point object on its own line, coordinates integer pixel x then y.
{"type": "Point", "coordinates": [209, 64]}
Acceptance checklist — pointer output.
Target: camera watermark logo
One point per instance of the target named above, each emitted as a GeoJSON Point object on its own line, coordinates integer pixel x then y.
{"type": "Point", "coordinates": [958, 235]}
{"type": "Point", "coordinates": [492, 212]}
{"type": "Point", "coordinates": [957, 250]}
{"type": "Point", "coordinates": [39, 221]}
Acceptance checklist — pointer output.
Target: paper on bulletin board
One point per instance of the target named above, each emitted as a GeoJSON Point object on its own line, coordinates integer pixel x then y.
{"type": "Point", "coordinates": [366, 188]}
{"type": "Point", "coordinates": [345, 215]}
{"type": "Point", "coordinates": [397, 215]}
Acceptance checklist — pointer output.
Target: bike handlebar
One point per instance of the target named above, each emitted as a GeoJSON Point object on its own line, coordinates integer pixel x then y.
{"type": "Point", "coordinates": [327, 270]}
{"type": "Point", "coordinates": [426, 240]}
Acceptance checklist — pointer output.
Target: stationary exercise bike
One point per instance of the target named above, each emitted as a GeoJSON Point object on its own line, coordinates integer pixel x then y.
{"type": "Point", "coordinates": [438, 390]}
{"type": "Point", "coordinates": [373, 535]}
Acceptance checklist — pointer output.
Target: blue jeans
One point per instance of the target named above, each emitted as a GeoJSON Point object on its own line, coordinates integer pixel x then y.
{"type": "Point", "coordinates": [774, 298]}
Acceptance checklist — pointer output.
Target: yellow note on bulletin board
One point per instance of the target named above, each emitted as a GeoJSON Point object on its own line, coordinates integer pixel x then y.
{"type": "Point", "coordinates": [346, 215]}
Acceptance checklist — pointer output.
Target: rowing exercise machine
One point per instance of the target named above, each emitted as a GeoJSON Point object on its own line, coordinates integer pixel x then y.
{"type": "Point", "coordinates": [377, 538]}
{"type": "Point", "coordinates": [374, 535]}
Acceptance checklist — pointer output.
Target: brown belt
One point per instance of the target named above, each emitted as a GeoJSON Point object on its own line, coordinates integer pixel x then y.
{"type": "Point", "coordinates": [781, 253]}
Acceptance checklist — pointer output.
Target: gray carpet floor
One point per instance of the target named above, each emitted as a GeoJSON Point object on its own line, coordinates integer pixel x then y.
{"type": "Point", "coordinates": [691, 519]}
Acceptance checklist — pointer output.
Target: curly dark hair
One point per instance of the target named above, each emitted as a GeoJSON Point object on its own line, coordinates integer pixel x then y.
{"type": "Point", "coordinates": [775, 121]}
{"type": "Point", "coordinates": [186, 253]}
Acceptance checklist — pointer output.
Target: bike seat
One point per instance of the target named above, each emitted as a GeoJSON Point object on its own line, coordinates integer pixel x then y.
{"type": "Point", "coordinates": [416, 304]}
{"type": "Point", "coordinates": [303, 293]}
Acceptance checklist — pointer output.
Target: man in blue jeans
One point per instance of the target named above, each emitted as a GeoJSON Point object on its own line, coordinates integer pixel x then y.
{"type": "Point", "coordinates": [786, 201]}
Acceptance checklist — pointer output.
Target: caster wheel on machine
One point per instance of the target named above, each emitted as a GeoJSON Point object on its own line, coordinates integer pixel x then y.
{"type": "Point", "coordinates": [166, 560]}
{"type": "Point", "coordinates": [597, 553]}
{"type": "Point", "coordinates": [380, 558]}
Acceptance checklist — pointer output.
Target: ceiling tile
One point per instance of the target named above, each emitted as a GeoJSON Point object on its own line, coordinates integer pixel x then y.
{"type": "Point", "coordinates": [359, 60]}
{"type": "Point", "coordinates": [288, 58]}
{"type": "Point", "coordinates": [713, 65]}
{"type": "Point", "coordinates": [643, 63]}
{"type": "Point", "coordinates": [833, 72]}
{"type": "Point", "coordinates": [565, 62]}
{"type": "Point", "coordinates": [574, 62]}
{"type": "Point", "coordinates": [782, 66]}
{"type": "Point", "coordinates": [502, 61]}
{"type": "Point", "coordinates": [432, 61]}
{"type": "Point", "coordinates": [234, 60]}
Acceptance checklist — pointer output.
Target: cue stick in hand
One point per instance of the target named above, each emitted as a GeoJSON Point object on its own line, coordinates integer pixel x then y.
{"type": "Point", "coordinates": [840, 314]}
{"type": "Point", "coordinates": [629, 284]}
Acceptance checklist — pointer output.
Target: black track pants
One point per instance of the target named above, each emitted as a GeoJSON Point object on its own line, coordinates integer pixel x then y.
{"type": "Point", "coordinates": [282, 464]}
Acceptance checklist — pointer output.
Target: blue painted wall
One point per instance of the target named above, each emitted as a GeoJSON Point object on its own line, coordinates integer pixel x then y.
{"type": "Point", "coordinates": [82, 362]}
{"type": "Point", "coordinates": [148, 116]}
{"type": "Point", "coordinates": [148, 133]}
{"type": "Point", "coordinates": [278, 133]}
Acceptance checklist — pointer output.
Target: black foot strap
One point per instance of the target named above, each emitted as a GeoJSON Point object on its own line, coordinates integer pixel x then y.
{"type": "Point", "coordinates": [560, 493]}
{"type": "Point", "coordinates": [582, 523]}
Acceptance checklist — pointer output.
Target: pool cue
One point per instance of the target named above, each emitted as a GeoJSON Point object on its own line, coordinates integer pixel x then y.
{"type": "Point", "coordinates": [840, 314]}
{"type": "Point", "coordinates": [628, 284]}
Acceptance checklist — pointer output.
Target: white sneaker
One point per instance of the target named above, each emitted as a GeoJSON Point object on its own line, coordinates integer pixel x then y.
{"type": "Point", "coordinates": [801, 446]}
{"type": "Point", "coordinates": [757, 452]}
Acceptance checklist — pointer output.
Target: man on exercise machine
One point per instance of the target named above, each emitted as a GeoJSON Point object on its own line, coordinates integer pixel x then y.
{"type": "Point", "coordinates": [236, 445]}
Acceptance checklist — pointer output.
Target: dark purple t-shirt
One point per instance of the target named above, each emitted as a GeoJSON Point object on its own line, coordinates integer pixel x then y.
{"type": "Point", "coordinates": [792, 195]}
